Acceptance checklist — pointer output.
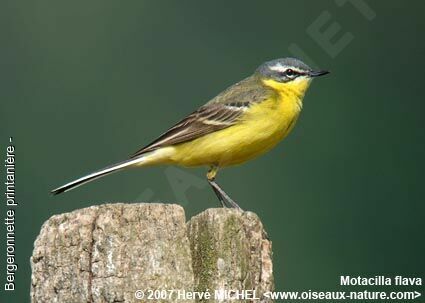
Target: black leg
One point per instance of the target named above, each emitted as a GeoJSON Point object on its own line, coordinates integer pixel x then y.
{"type": "Point", "coordinates": [223, 194]}
{"type": "Point", "coordinates": [217, 193]}
{"type": "Point", "coordinates": [224, 198]}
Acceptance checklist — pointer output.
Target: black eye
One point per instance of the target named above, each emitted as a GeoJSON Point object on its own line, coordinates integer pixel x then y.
{"type": "Point", "coordinates": [290, 72]}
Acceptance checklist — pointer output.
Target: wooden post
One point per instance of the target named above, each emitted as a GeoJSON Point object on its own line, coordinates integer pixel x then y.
{"type": "Point", "coordinates": [106, 253]}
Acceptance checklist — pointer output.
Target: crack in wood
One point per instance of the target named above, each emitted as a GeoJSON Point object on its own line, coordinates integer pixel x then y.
{"type": "Point", "coordinates": [91, 247]}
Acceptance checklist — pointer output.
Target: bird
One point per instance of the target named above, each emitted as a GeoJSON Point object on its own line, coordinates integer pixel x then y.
{"type": "Point", "coordinates": [242, 122]}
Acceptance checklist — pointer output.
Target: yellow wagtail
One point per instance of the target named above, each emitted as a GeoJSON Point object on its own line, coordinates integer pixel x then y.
{"type": "Point", "coordinates": [242, 122]}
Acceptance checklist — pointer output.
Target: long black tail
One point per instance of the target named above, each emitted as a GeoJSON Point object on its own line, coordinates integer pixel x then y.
{"type": "Point", "coordinates": [96, 175]}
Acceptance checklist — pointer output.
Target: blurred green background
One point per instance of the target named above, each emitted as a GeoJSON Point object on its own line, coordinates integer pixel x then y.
{"type": "Point", "coordinates": [86, 83]}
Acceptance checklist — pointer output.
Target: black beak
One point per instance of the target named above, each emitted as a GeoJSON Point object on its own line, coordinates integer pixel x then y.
{"type": "Point", "coordinates": [318, 73]}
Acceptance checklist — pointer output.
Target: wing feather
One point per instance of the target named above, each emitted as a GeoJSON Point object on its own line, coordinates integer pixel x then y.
{"type": "Point", "coordinates": [221, 112]}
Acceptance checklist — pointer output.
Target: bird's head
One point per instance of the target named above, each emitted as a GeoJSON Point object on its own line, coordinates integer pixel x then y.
{"type": "Point", "coordinates": [287, 74]}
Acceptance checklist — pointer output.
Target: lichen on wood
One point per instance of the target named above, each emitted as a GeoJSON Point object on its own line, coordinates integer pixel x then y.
{"type": "Point", "coordinates": [230, 251]}
{"type": "Point", "coordinates": [105, 253]}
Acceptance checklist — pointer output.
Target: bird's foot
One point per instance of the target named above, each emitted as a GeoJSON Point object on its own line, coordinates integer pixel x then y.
{"type": "Point", "coordinates": [224, 198]}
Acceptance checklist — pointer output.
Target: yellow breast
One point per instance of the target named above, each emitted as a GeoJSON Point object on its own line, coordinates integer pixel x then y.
{"type": "Point", "coordinates": [261, 127]}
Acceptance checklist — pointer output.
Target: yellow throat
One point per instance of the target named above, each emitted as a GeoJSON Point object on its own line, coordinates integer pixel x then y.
{"type": "Point", "coordinates": [291, 92]}
{"type": "Point", "coordinates": [263, 126]}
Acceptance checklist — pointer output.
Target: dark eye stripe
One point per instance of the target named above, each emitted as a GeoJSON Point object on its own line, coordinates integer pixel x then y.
{"type": "Point", "coordinates": [290, 74]}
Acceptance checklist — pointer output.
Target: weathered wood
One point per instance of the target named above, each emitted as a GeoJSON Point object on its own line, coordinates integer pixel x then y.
{"type": "Point", "coordinates": [105, 253]}
{"type": "Point", "coordinates": [230, 250]}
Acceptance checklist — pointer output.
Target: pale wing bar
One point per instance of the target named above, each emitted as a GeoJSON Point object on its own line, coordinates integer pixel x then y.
{"type": "Point", "coordinates": [205, 120]}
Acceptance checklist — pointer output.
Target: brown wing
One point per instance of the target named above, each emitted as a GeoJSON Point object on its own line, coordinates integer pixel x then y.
{"type": "Point", "coordinates": [221, 112]}
{"type": "Point", "coordinates": [205, 120]}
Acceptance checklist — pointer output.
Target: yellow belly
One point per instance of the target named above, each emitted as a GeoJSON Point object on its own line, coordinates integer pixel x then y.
{"type": "Point", "coordinates": [261, 127]}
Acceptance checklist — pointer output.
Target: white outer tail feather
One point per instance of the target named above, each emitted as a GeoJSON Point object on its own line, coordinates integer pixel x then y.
{"type": "Point", "coordinates": [97, 174]}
